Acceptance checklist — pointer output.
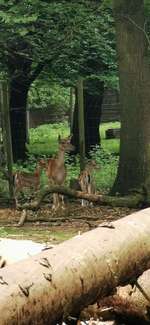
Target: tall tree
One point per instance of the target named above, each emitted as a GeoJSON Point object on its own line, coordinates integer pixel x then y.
{"type": "Point", "coordinates": [93, 97]}
{"type": "Point", "coordinates": [35, 35]}
{"type": "Point", "coordinates": [95, 61]}
{"type": "Point", "coordinates": [134, 75]}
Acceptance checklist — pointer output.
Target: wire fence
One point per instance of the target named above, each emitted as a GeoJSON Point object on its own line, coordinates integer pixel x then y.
{"type": "Point", "coordinates": [110, 112]}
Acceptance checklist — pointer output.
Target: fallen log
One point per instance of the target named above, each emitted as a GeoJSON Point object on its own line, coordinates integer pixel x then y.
{"type": "Point", "coordinates": [131, 302]}
{"type": "Point", "coordinates": [132, 201]}
{"type": "Point", "coordinates": [57, 283]}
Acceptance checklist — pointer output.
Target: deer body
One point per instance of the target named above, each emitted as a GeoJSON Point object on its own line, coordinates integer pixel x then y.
{"type": "Point", "coordinates": [86, 181]}
{"type": "Point", "coordinates": [26, 180]}
{"type": "Point", "coordinates": [56, 170]}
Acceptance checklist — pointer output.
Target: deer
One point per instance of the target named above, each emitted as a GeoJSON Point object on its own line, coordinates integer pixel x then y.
{"type": "Point", "coordinates": [26, 180]}
{"type": "Point", "coordinates": [56, 170]}
{"type": "Point", "coordinates": [86, 181]}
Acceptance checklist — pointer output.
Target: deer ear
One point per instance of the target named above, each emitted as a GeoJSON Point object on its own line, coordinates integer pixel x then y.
{"type": "Point", "coordinates": [59, 138]}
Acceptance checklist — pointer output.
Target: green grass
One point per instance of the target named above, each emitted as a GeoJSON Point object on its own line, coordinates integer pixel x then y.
{"type": "Point", "coordinates": [111, 145]}
{"type": "Point", "coordinates": [43, 234]}
{"type": "Point", "coordinates": [43, 139]}
{"type": "Point", "coordinates": [105, 126]}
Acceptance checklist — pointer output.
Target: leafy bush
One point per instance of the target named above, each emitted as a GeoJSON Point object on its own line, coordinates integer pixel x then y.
{"type": "Point", "coordinates": [104, 178]}
{"type": "Point", "coordinates": [52, 97]}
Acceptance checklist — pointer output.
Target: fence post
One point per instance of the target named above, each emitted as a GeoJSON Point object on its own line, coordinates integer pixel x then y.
{"type": "Point", "coordinates": [4, 105]}
{"type": "Point", "coordinates": [81, 122]}
{"type": "Point", "coordinates": [71, 108]}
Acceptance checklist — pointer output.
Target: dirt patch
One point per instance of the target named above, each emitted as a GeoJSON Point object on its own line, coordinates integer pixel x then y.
{"type": "Point", "coordinates": [44, 225]}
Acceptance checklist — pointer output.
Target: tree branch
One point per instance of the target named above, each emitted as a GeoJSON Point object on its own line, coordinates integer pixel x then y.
{"type": "Point", "coordinates": [36, 71]}
{"type": "Point", "coordinates": [139, 27]}
{"type": "Point", "coordinates": [132, 201]}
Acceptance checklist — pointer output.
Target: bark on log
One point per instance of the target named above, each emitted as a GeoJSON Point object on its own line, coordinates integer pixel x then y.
{"type": "Point", "coordinates": [132, 201]}
{"type": "Point", "coordinates": [54, 284]}
{"type": "Point", "coordinates": [132, 302]}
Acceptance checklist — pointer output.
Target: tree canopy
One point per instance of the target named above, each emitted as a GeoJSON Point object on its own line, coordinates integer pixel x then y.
{"type": "Point", "coordinates": [57, 40]}
{"type": "Point", "coordinates": [70, 37]}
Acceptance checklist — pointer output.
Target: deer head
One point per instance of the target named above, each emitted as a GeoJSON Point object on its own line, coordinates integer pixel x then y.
{"type": "Point", "coordinates": [42, 163]}
{"type": "Point", "coordinates": [65, 145]}
{"type": "Point", "coordinates": [91, 165]}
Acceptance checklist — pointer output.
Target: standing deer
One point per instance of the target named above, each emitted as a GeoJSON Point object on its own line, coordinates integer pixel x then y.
{"type": "Point", "coordinates": [86, 181]}
{"type": "Point", "coordinates": [26, 180]}
{"type": "Point", "coordinates": [56, 170]}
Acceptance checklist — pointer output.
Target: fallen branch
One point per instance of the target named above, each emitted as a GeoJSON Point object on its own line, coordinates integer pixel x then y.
{"type": "Point", "coordinates": [132, 201]}
{"type": "Point", "coordinates": [23, 218]}
{"type": "Point", "coordinates": [59, 283]}
{"type": "Point", "coordinates": [70, 218]}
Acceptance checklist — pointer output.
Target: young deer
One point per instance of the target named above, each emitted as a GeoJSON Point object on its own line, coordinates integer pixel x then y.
{"type": "Point", "coordinates": [86, 181]}
{"type": "Point", "coordinates": [56, 170]}
{"type": "Point", "coordinates": [26, 180]}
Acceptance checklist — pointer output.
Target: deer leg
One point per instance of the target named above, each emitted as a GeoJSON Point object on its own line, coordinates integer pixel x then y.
{"type": "Point", "coordinates": [16, 198]}
{"type": "Point", "coordinates": [62, 202]}
{"type": "Point", "coordinates": [90, 192]}
{"type": "Point", "coordinates": [84, 189]}
{"type": "Point", "coordinates": [84, 203]}
{"type": "Point", "coordinates": [16, 202]}
{"type": "Point", "coordinates": [56, 203]}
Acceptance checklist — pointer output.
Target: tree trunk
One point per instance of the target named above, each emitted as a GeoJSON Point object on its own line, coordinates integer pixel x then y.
{"type": "Point", "coordinates": [134, 75]}
{"type": "Point", "coordinates": [21, 75]}
{"type": "Point", "coordinates": [18, 104]}
{"type": "Point", "coordinates": [59, 283]}
{"type": "Point", "coordinates": [93, 96]}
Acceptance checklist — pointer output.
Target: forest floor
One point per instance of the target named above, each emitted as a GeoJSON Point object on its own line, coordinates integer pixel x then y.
{"type": "Point", "coordinates": [45, 226]}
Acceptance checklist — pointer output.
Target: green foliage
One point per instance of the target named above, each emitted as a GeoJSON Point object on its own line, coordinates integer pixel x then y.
{"type": "Point", "coordinates": [4, 191]}
{"type": "Point", "coordinates": [43, 95]}
{"type": "Point", "coordinates": [92, 51]}
{"type": "Point", "coordinates": [108, 162]}
{"type": "Point", "coordinates": [66, 38]}
{"type": "Point", "coordinates": [104, 176]}
{"type": "Point", "coordinates": [73, 169]}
